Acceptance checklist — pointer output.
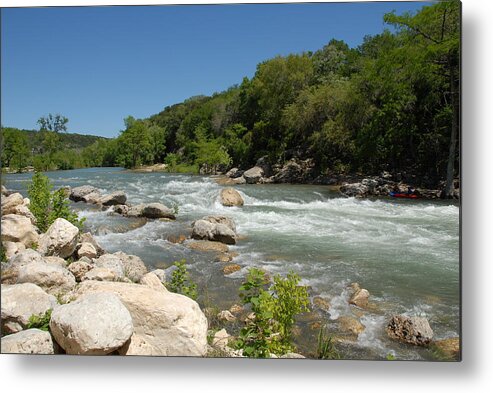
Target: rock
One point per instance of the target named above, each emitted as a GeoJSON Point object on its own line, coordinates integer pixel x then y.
{"type": "Point", "coordinates": [93, 197]}
{"type": "Point", "coordinates": [51, 278]}
{"type": "Point", "coordinates": [351, 325]}
{"type": "Point", "coordinates": [292, 355]}
{"type": "Point", "coordinates": [161, 274]}
{"type": "Point", "coordinates": [360, 298]}
{"type": "Point", "coordinates": [9, 203]}
{"type": "Point", "coordinates": [223, 234]}
{"type": "Point", "coordinates": [221, 220]}
{"type": "Point", "coordinates": [121, 209]}
{"type": "Point", "coordinates": [10, 270]}
{"type": "Point", "coordinates": [5, 192]}
{"type": "Point", "coordinates": [225, 315]}
{"type": "Point", "coordinates": [203, 245]}
{"type": "Point", "coordinates": [17, 228]}
{"type": "Point", "coordinates": [224, 258]}
{"type": "Point", "coordinates": [87, 250]}
{"type": "Point", "coordinates": [138, 346]}
{"type": "Point", "coordinates": [321, 303]}
{"type": "Point", "coordinates": [411, 330]}
{"type": "Point", "coordinates": [172, 324]}
{"type": "Point", "coordinates": [235, 309]}
{"type": "Point", "coordinates": [31, 341]}
{"type": "Point", "coordinates": [449, 347]}
{"type": "Point", "coordinates": [202, 230]}
{"type": "Point", "coordinates": [57, 261]}
{"type": "Point", "coordinates": [77, 193]}
{"type": "Point", "coordinates": [234, 173]}
{"type": "Point", "coordinates": [100, 274]}
{"type": "Point", "coordinates": [13, 248]}
{"type": "Point", "coordinates": [135, 211]}
{"type": "Point", "coordinates": [295, 171]}
{"type": "Point", "coordinates": [133, 267]}
{"type": "Point", "coordinates": [229, 269]}
{"type": "Point", "coordinates": [253, 175]}
{"type": "Point", "coordinates": [231, 197]}
{"type": "Point", "coordinates": [176, 239]}
{"type": "Point", "coordinates": [79, 269]}
{"type": "Point", "coordinates": [115, 198]}
{"type": "Point", "coordinates": [354, 190]}
{"type": "Point", "coordinates": [112, 262]}
{"type": "Point", "coordinates": [60, 239]}
{"type": "Point", "coordinates": [88, 238]}
{"type": "Point", "coordinates": [21, 301]}
{"type": "Point", "coordinates": [221, 339]}
{"type": "Point", "coordinates": [94, 324]}
{"type": "Point", "coordinates": [157, 210]}
{"type": "Point", "coordinates": [152, 281]}
{"type": "Point", "coordinates": [239, 180]}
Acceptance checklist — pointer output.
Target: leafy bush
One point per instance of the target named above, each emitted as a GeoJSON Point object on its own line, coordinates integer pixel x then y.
{"type": "Point", "coordinates": [274, 310]}
{"type": "Point", "coordinates": [180, 281]}
{"type": "Point", "coordinates": [47, 206]}
{"type": "Point", "coordinates": [41, 321]}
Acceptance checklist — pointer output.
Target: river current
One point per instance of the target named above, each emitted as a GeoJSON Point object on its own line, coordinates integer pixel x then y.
{"type": "Point", "coordinates": [405, 252]}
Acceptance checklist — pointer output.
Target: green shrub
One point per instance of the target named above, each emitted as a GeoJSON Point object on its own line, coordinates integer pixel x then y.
{"type": "Point", "coordinates": [180, 281]}
{"type": "Point", "coordinates": [47, 206]}
{"type": "Point", "coordinates": [274, 310]}
{"type": "Point", "coordinates": [41, 321]}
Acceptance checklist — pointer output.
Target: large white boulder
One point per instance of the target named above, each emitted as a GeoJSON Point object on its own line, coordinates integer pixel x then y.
{"type": "Point", "coordinates": [171, 324]}
{"type": "Point", "coordinates": [215, 228]}
{"type": "Point", "coordinates": [17, 228]}
{"type": "Point", "coordinates": [31, 341]}
{"type": "Point", "coordinates": [21, 301]}
{"type": "Point", "coordinates": [231, 197]}
{"type": "Point", "coordinates": [10, 270]}
{"type": "Point", "coordinates": [94, 324]}
{"type": "Point", "coordinates": [111, 262]}
{"type": "Point", "coordinates": [60, 239]}
{"type": "Point", "coordinates": [13, 248]}
{"type": "Point", "coordinates": [253, 175]}
{"type": "Point", "coordinates": [54, 279]}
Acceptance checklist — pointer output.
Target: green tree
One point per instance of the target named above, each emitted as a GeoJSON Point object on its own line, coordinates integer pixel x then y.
{"type": "Point", "coordinates": [56, 123]}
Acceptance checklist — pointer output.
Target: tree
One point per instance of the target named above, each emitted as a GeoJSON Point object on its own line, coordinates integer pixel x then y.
{"type": "Point", "coordinates": [15, 149]}
{"type": "Point", "coordinates": [134, 144]}
{"type": "Point", "coordinates": [209, 152]}
{"type": "Point", "coordinates": [435, 31]}
{"type": "Point", "coordinates": [55, 123]}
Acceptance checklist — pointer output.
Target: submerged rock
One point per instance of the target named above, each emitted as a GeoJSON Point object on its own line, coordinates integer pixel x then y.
{"type": "Point", "coordinates": [204, 245]}
{"type": "Point", "coordinates": [229, 269]}
{"type": "Point", "coordinates": [411, 330]}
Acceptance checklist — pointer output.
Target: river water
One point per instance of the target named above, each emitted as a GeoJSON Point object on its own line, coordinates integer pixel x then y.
{"type": "Point", "coordinates": [405, 252]}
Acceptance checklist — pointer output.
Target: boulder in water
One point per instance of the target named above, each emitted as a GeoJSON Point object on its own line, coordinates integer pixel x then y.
{"type": "Point", "coordinates": [231, 197]}
{"type": "Point", "coordinates": [253, 175]}
{"type": "Point", "coordinates": [411, 330]}
{"type": "Point", "coordinates": [77, 194]}
{"type": "Point", "coordinates": [115, 198]}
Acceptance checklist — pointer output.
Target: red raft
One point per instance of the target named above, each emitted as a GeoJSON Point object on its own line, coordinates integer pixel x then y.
{"type": "Point", "coordinates": [403, 195]}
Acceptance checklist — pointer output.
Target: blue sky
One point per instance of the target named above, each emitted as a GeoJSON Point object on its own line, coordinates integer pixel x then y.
{"type": "Point", "coordinates": [97, 65]}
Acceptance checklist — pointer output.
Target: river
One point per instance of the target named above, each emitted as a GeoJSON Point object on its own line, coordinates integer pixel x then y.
{"type": "Point", "coordinates": [405, 252]}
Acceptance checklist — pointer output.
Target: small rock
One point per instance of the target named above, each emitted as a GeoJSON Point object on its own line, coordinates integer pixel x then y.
{"type": "Point", "coordinates": [177, 239]}
{"type": "Point", "coordinates": [93, 197]}
{"type": "Point", "coordinates": [229, 269]}
{"type": "Point", "coordinates": [351, 325]}
{"type": "Point", "coordinates": [225, 315]}
{"type": "Point", "coordinates": [121, 209]}
{"type": "Point", "coordinates": [100, 274]}
{"type": "Point", "coordinates": [31, 341]}
{"type": "Point", "coordinates": [87, 250]}
{"type": "Point", "coordinates": [79, 269]}
{"type": "Point", "coordinates": [253, 175]}
{"type": "Point", "coordinates": [133, 267]}
{"type": "Point", "coordinates": [231, 197]}
{"type": "Point", "coordinates": [292, 355]}
{"type": "Point", "coordinates": [111, 262]}
{"type": "Point", "coordinates": [88, 238]}
{"type": "Point", "coordinates": [321, 303]}
{"type": "Point", "coordinates": [360, 298]}
{"type": "Point", "coordinates": [412, 330]}
{"type": "Point", "coordinates": [17, 228]}
{"type": "Point", "coordinates": [239, 180]}
{"type": "Point", "coordinates": [449, 347]}
{"type": "Point", "coordinates": [236, 309]}
{"type": "Point", "coordinates": [203, 245]}
{"type": "Point", "coordinates": [157, 210]}
{"type": "Point", "coordinates": [221, 339]}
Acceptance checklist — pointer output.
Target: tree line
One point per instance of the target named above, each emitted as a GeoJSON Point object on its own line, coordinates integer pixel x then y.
{"type": "Point", "coordinates": [391, 104]}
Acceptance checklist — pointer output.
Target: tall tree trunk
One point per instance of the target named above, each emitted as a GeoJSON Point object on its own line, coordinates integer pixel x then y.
{"type": "Point", "coordinates": [454, 90]}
